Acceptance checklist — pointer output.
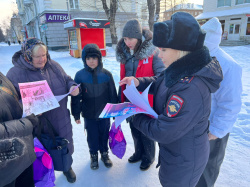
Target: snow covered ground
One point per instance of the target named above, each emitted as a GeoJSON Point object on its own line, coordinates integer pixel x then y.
{"type": "Point", "coordinates": [235, 171]}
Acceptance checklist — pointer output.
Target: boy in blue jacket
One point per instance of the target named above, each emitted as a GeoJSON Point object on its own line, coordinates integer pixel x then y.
{"type": "Point", "coordinates": [98, 89]}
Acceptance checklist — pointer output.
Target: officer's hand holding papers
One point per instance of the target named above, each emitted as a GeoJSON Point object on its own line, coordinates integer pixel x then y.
{"type": "Point", "coordinates": [139, 103]}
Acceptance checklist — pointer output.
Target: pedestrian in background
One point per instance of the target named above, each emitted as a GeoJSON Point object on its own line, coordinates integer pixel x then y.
{"type": "Point", "coordinates": [226, 103]}
{"type": "Point", "coordinates": [138, 57]}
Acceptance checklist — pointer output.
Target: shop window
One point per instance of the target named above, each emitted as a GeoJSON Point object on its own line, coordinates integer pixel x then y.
{"type": "Point", "coordinates": [231, 29]}
{"type": "Point", "coordinates": [248, 27]}
{"type": "Point", "coordinates": [237, 29]}
{"type": "Point", "coordinates": [234, 29]}
{"type": "Point", "coordinates": [238, 2]}
{"type": "Point", "coordinates": [74, 4]}
{"type": "Point", "coordinates": [221, 3]}
{"type": "Point", "coordinates": [73, 39]}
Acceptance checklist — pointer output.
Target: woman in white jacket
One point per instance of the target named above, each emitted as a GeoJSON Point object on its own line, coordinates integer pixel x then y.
{"type": "Point", "coordinates": [226, 103]}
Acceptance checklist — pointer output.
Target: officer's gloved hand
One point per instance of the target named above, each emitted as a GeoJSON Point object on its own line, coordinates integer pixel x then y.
{"type": "Point", "coordinates": [33, 119]}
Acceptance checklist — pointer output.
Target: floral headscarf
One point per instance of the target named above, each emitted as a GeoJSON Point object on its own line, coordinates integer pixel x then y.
{"type": "Point", "coordinates": [27, 47]}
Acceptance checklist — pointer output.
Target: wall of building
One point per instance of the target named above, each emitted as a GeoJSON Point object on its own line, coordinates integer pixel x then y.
{"type": "Point", "coordinates": [167, 15]}
{"type": "Point", "coordinates": [211, 6]}
{"type": "Point", "coordinates": [58, 4]}
{"type": "Point", "coordinates": [53, 33]}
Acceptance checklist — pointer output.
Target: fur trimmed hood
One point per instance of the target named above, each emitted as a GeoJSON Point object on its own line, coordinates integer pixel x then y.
{"type": "Point", "coordinates": [197, 63]}
{"type": "Point", "coordinates": [145, 50]}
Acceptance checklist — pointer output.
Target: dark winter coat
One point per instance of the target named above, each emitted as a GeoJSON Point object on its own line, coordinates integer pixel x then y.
{"type": "Point", "coordinates": [183, 101]}
{"type": "Point", "coordinates": [98, 89]}
{"type": "Point", "coordinates": [146, 49]}
{"type": "Point", "coordinates": [59, 83]}
{"type": "Point", "coordinates": [15, 131]}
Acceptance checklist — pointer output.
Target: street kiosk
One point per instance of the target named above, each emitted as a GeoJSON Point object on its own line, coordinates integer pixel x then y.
{"type": "Point", "coordinates": [84, 31]}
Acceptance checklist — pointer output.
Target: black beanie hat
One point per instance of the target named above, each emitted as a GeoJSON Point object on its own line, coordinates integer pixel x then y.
{"type": "Point", "coordinates": [182, 32]}
{"type": "Point", "coordinates": [91, 50]}
{"type": "Point", "coordinates": [132, 29]}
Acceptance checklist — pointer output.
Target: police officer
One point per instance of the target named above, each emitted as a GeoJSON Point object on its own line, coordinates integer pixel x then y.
{"type": "Point", "coordinates": [182, 99]}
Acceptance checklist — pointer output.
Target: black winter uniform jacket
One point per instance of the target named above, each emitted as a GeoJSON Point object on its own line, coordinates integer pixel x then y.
{"type": "Point", "coordinates": [183, 102]}
{"type": "Point", "coordinates": [16, 139]}
{"type": "Point", "coordinates": [98, 89]}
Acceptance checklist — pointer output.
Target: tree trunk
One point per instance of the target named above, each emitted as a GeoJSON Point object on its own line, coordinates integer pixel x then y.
{"type": "Point", "coordinates": [151, 10]}
{"type": "Point", "coordinates": [157, 9]}
{"type": "Point", "coordinates": [111, 13]}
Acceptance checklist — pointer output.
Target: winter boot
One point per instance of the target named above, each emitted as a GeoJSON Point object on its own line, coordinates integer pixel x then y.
{"type": "Point", "coordinates": [94, 161]}
{"type": "Point", "coordinates": [105, 158]}
{"type": "Point", "coordinates": [70, 175]}
{"type": "Point", "coordinates": [134, 159]}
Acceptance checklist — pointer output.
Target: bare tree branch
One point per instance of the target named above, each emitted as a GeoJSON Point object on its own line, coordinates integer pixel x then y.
{"type": "Point", "coordinates": [111, 13]}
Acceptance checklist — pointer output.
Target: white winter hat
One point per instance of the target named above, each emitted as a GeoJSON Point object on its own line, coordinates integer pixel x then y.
{"type": "Point", "coordinates": [213, 33]}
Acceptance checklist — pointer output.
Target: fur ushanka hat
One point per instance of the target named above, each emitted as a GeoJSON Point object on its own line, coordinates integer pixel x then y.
{"type": "Point", "coordinates": [182, 32]}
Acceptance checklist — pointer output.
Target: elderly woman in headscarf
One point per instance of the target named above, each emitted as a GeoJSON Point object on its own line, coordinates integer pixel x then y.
{"type": "Point", "coordinates": [33, 63]}
{"type": "Point", "coordinates": [182, 99]}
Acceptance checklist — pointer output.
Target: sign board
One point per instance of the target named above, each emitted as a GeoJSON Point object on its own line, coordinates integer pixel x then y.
{"type": "Point", "coordinates": [44, 27]}
{"type": "Point", "coordinates": [87, 23]}
{"type": "Point", "coordinates": [53, 17]}
{"type": "Point", "coordinates": [81, 23]}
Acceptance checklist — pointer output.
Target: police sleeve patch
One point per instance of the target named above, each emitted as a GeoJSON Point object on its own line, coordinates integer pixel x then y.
{"type": "Point", "coordinates": [174, 105]}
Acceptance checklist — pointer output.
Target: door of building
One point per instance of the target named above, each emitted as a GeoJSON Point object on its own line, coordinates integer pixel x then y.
{"type": "Point", "coordinates": [234, 31]}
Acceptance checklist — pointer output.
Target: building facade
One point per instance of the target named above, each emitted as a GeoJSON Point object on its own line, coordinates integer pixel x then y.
{"type": "Point", "coordinates": [44, 19]}
{"type": "Point", "coordinates": [14, 33]}
{"type": "Point", "coordinates": [234, 16]}
{"type": "Point", "coordinates": [191, 8]}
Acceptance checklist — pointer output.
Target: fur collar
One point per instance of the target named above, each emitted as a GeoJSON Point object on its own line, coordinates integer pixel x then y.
{"type": "Point", "coordinates": [145, 50]}
{"type": "Point", "coordinates": [187, 66]}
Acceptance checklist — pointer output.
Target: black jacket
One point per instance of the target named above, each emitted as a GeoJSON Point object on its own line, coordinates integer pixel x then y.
{"type": "Point", "coordinates": [98, 89]}
{"type": "Point", "coordinates": [183, 102]}
{"type": "Point", "coordinates": [16, 139]}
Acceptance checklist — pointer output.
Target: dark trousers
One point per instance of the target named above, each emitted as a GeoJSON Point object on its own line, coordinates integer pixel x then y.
{"type": "Point", "coordinates": [24, 179]}
{"type": "Point", "coordinates": [216, 156]}
{"type": "Point", "coordinates": [97, 134]}
{"type": "Point", "coordinates": [144, 147]}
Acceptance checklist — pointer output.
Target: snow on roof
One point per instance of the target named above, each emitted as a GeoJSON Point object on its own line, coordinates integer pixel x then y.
{"type": "Point", "coordinates": [190, 6]}
{"type": "Point", "coordinates": [235, 11]}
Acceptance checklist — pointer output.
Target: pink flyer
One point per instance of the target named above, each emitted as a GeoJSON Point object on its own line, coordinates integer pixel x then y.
{"type": "Point", "coordinates": [37, 97]}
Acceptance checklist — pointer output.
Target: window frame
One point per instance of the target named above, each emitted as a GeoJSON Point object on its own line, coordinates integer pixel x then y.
{"type": "Point", "coordinates": [224, 4]}
{"type": "Point", "coordinates": [74, 4]}
{"type": "Point", "coordinates": [244, 2]}
{"type": "Point", "coordinates": [248, 24]}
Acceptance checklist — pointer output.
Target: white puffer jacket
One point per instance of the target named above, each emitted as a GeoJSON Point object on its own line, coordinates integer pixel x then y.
{"type": "Point", "coordinates": [226, 101]}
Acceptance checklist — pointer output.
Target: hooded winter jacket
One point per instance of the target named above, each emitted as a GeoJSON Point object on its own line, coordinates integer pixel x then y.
{"type": "Point", "coordinates": [182, 99]}
{"type": "Point", "coordinates": [226, 101]}
{"type": "Point", "coordinates": [98, 89]}
{"type": "Point", "coordinates": [59, 83]}
{"type": "Point", "coordinates": [16, 139]}
{"type": "Point", "coordinates": [138, 64]}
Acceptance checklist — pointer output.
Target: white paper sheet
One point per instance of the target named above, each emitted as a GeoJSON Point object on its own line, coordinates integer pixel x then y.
{"type": "Point", "coordinates": [140, 100]}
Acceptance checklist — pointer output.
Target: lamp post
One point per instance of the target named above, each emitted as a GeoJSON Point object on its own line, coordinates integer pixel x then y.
{"type": "Point", "coordinates": [67, 2]}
